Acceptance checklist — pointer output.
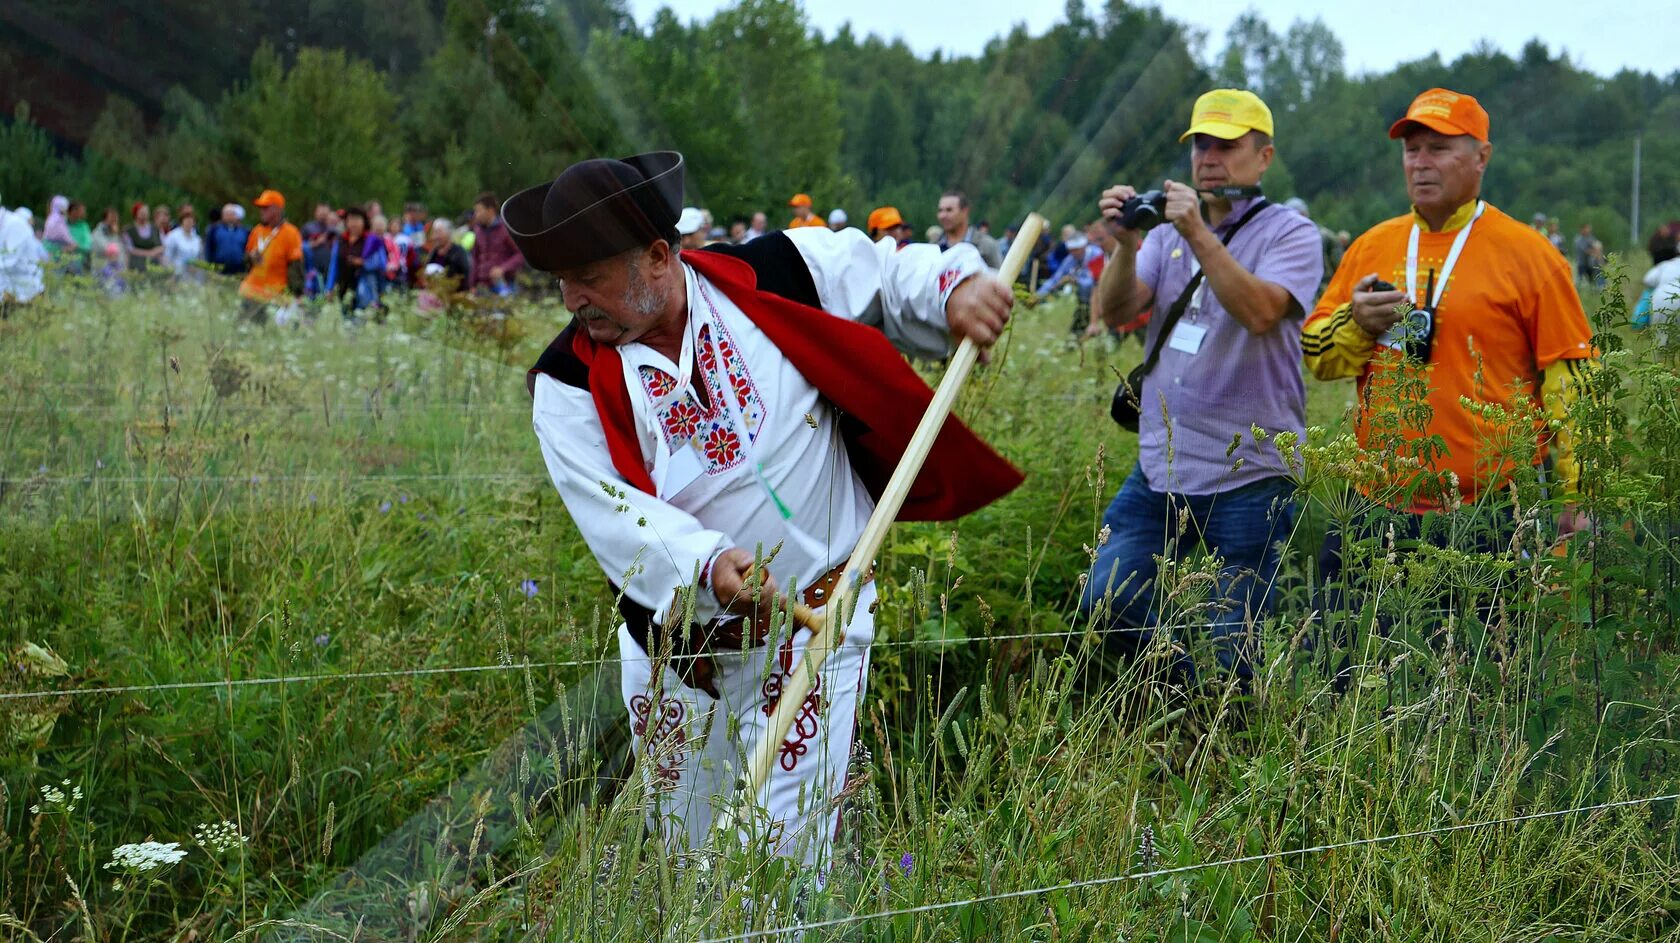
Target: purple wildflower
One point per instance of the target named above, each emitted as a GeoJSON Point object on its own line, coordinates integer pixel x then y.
{"type": "Point", "coordinates": [402, 499]}
{"type": "Point", "coordinates": [322, 640]}
{"type": "Point", "coordinates": [385, 507]}
{"type": "Point", "coordinates": [529, 588]}
{"type": "Point", "coordinates": [906, 863]}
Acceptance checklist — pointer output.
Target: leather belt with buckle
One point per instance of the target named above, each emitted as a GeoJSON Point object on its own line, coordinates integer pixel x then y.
{"type": "Point", "coordinates": [818, 593]}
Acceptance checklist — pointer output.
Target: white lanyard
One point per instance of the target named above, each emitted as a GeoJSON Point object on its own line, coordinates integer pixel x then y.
{"type": "Point", "coordinates": [1434, 302]}
{"type": "Point", "coordinates": [262, 244]}
{"type": "Point", "coordinates": [1201, 289]}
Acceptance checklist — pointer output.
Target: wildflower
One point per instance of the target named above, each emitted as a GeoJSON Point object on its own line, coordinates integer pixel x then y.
{"type": "Point", "coordinates": [145, 856]}
{"type": "Point", "coordinates": [219, 838]}
{"type": "Point", "coordinates": [55, 799]}
{"type": "Point", "coordinates": [402, 499]}
{"type": "Point", "coordinates": [906, 863]}
{"type": "Point", "coordinates": [385, 507]}
{"type": "Point", "coordinates": [322, 640]}
{"type": "Point", "coordinates": [98, 463]}
{"type": "Point", "coordinates": [529, 588]}
{"type": "Point", "coordinates": [1146, 854]}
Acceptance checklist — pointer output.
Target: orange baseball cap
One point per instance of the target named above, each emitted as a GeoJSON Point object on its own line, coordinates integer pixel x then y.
{"type": "Point", "coordinates": [800, 199]}
{"type": "Point", "coordinates": [271, 198]}
{"type": "Point", "coordinates": [1446, 111]}
{"type": "Point", "coordinates": [884, 218]}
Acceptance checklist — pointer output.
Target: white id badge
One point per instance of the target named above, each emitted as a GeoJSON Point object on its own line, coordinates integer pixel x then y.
{"type": "Point", "coordinates": [1187, 337]}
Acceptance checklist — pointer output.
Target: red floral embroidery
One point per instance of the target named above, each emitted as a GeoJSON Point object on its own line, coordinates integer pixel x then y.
{"type": "Point", "coordinates": [723, 447]}
{"type": "Point", "coordinates": [657, 382]}
{"type": "Point", "coordinates": [723, 373]}
{"type": "Point", "coordinates": [807, 724]}
{"type": "Point", "coordinates": [707, 353]}
{"type": "Point", "coordinates": [682, 421]}
{"type": "Point", "coordinates": [667, 745]}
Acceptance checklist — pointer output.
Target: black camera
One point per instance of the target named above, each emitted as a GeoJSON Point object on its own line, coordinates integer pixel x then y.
{"type": "Point", "coordinates": [1144, 212]}
{"type": "Point", "coordinates": [1414, 334]}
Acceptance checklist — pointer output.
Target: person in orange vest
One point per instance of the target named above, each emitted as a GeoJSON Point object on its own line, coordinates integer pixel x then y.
{"type": "Point", "coordinates": [802, 215]}
{"type": "Point", "coordinates": [1486, 309]}
{"type": "Point", "coordinates": [274, 250]}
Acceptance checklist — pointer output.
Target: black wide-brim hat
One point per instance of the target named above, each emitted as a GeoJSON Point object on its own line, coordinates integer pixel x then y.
{"type": "Point", "coordinates": [597, 209]}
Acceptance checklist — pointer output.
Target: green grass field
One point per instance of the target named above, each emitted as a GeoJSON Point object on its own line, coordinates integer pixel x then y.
{"type": "Point", "coordinates": [314, 582]}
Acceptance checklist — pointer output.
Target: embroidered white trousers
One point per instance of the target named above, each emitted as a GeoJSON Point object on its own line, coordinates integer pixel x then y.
{"type": "Point", "coordinates": [692, 749]}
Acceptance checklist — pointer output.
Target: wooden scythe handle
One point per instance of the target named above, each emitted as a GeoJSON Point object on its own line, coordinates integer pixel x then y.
{"type": "Point", "coordinates": [825, 631]}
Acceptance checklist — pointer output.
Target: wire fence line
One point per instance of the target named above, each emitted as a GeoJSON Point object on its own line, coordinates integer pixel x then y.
{"type": "Point", "coordinates": [791, 932]}
{"type": "Point", "coordinates": [179, 410]}
{"type": "Point", "coordinates": [95, 478]}
{"type": "Point", "coordinates": [323, 677]}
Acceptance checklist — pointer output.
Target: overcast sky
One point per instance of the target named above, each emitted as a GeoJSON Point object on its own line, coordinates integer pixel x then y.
{"type": "Point", "coordinates": [1604, 38]}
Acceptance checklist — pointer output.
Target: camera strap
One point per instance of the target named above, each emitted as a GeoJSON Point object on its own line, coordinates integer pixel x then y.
{"type": "Point", "coordinates": [1177, 310]}
{"type": "Point", "coordinates": [1235, 192]}
{"type": "Point", "coordinates": [1433, 302]}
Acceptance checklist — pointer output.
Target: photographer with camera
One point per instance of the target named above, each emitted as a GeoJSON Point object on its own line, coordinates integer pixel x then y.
{"type": "Point", "coordinates": [1227, 281]}
{"type": "Point", "coordinates": [1485, 309]}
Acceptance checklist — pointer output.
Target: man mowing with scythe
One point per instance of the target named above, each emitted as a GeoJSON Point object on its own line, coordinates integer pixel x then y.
{"type": "Point", "coordinates": [706, 406]}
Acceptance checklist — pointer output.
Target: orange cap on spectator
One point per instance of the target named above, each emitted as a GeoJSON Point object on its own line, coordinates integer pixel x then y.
{"type": "Point", "coordinates": [800, 199]}
{"type": "Point", "coordinates": [885, 217]}
{"type": "Point", "coordinates": [1446, 111]}
{"type": "Point", "coordinates": [271, 198]}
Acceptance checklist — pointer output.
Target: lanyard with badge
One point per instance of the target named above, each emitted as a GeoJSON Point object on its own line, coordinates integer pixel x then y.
{"type": "Point", "coordinates": [1188, 336]}
{"type": "Point", "coordinates": [1414, 334]}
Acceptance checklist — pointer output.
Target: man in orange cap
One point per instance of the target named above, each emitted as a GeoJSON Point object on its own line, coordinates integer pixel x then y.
{"type": "Point", "coordinates": [802, 215]}
{"type": "Point", "coordinates": [275, 251]}
{"type": "Point", "coordinates": [886, 223]}
{"type": "Point", "coordinates": [1496, 323]}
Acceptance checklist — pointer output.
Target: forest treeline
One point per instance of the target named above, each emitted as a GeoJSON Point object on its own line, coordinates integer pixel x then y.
{"type": "Point", "coordinates": [347, 100]}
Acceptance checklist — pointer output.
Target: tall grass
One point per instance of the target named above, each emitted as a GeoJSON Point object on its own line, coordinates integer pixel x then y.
{"type": "Point", "coordinates": [188, 500]}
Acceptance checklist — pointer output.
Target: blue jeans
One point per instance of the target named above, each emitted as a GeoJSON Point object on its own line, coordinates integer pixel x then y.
{"type": "Point", "coordinates": [1244, 527]}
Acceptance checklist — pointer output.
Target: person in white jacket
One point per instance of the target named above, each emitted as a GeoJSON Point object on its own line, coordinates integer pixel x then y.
{"type": "Point", "coordinates": [183, 246]}
{"type": "Point", "coordinates": [20, 260]}
{"type": "Point", "coordinates": [1663, 281]}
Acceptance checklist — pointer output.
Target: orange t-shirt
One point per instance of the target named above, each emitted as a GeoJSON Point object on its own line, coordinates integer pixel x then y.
{"type": "Point", "coordinates": [1509, 311]}
{"type": "Point", "coordinates": [280, 248]}
{"type": "Point", "coordinates": [812, 220]}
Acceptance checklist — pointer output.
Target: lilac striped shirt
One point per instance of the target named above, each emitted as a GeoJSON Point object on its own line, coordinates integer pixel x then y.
{"type": "Point", "coordinates": [1234, 380]}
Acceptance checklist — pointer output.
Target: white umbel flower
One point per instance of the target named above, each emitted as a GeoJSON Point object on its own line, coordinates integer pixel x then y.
{"type": "Point", "coordinates": [219, 838]}
{"type": "Point", "coordinates": [145, 856]}
{"type": "Point", "coordinates": [54, 799]}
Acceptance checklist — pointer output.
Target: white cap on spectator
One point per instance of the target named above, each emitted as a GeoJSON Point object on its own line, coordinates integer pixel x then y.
{"type": "Point", "coordinates": [837, 218]}
{"type": "Point", "coordinates": [1078, 242]}
{"type": "Point", "coordinates": [237, 210]}
{"type": "Point", "coordinates": [690, 221]}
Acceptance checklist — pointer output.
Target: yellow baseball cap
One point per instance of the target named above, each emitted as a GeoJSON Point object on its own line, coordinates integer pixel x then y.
{"type": "Point", "coordinates": [1229, 113]}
